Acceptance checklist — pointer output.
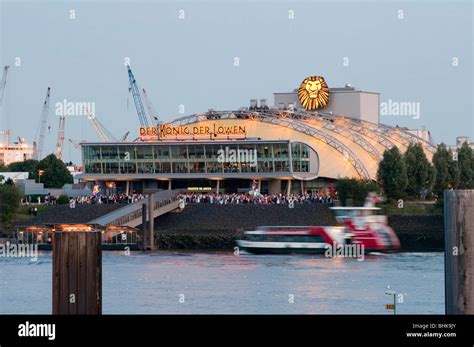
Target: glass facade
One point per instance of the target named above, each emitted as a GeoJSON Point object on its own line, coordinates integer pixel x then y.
{"type": "Point", "coordinates": [300, 157]}
{"type": "Point", "coordinates": [195, 158]}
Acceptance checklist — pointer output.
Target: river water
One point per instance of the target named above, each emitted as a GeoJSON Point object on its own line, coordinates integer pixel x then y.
{"type": "Point", "coordinates": [221, 282]}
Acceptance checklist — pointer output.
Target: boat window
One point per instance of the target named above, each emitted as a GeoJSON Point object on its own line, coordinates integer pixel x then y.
{"type": "Point", "coordinates": [285, 238]}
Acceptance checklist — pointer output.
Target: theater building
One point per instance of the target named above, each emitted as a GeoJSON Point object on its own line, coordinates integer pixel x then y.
{"type": "Point", "coordinates": [285, 148]}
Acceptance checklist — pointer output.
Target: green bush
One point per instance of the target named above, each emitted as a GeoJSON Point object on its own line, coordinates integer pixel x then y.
{"type": "Point", "coordinates": [9, 202]}
{"type": "Point", "coordinates": [63, 200]}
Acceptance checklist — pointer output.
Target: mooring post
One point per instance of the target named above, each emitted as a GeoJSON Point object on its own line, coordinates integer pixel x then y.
{"type": "Point", "coordinates": [77, 272]}
{"type": "Point", "coordinates": [144, 228]}
{"type": "Point", "coordinates": [151, 224]}
{"type": "Point", "coordinates": [459, 251]}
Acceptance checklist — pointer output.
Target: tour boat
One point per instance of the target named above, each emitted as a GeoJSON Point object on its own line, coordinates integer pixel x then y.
{"type": "Point", "coordinates": [358, 226]}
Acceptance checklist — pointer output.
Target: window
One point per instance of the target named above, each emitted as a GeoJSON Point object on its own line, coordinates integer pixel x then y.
{"type": "Point", "coordinates": [197, 167]}
{"type": "Point", "coordinates": [146, 168]}
{"type": "Point", "coordinates": [180, 167]}
{"type": "Point", "coordinates": [162, 152]}
{"type": "Point", "coordinates": [196, 152]}
{"type": "Point", "coordinates": [109, 152]}
{"type": "Point", "coordinates": [300, 154]}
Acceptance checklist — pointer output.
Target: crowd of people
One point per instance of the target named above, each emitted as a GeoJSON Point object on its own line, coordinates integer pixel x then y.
{"type": "Point", "coordinates": [247, 198]}
{"type": "Point", "coordinates": [108, 199]}
{"type": "Point", "coordinates": [197, 198]}
{"type": "Point", "coordinates": [88, 199]}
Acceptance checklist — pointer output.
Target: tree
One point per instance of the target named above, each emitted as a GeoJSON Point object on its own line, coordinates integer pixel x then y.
{"type": "Point", "coordinates": [453, 170]}
{"type": "Point", "coordinates": [29, 166]}
{"type": "Point", "coordinates": [420, 173]}
{"type": "Point", "coordinates": [52, 172]}
{"type": "Point", "coordinates": [9, 202]}
{"type": "Point", "coordinates": [391, 174]}
{"type": "Point", "coordinates": [355, 189]}
{"type": "Point", "coordinates": [447, 171]}
{"type": "Point", "coordinates": [466, 167]}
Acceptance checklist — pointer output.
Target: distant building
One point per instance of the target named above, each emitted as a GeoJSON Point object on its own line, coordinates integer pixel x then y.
{"type": "Point", "coordinates": [14, 152]}
{"type": "Point", "coordinates": [14, 176]}
{"type": "Point", "coordinates": [30, 187]}
{"type": "Point", "coordinates": [459, 141]}
{"type": "Point", "coordinates": [75, 170]}
{"type": "Point", "coordinates": [347, 102]}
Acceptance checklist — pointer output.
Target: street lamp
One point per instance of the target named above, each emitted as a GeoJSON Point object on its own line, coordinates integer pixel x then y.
{"type": "Point", "coordinates": [394, 306]}
{"type": "Point", "coordinates": [40, 173]}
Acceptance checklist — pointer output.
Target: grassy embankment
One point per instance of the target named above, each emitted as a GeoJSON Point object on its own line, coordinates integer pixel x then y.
{"type": "Point", "coordinates": [23, 212]}
{"type": "Point", "coordinates": [411, 208]}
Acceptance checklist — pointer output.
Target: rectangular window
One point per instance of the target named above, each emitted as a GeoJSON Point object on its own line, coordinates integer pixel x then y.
{"type": "Point", "coordinates": [180, 167]}
{"type": "Point", "coordinates": [146, 168]}
{"type": "Point", "coordinates": [109, 152]}
{"type": "Point", "coordinates": [93, 168]}
{"type": "Point", "coordinates": [282, 166]}
{"type": "Point", "coordinates": [145, 152]}
{"type": "Point", "coordinates": [197, 167]}
{"type": "Point", "coordinates": [214, 167]}
{"type": "Point", "coordinates": [265, 166]}
{"type": "Point", "coordinates": [196, 151]}
{"type": "Point", "coordinates": [111, 167]}
{"type": "Point", "coordinates": [247, 167]}
{"type": "Point", "coordinates": [128, 167]}
{"type": "Point", "coordinates": [212, 151]}
{"type": "Point", "coordinates": [162, 167]}
{"type": "Point", "coordinates": [162, 152]}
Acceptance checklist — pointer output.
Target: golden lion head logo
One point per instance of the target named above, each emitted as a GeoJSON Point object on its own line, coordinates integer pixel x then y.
{"type": "Point", "coordinates": [313, 93]}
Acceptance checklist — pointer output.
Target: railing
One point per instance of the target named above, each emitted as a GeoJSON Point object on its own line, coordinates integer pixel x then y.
{"type": "Point", "coordinates": [133, 211]}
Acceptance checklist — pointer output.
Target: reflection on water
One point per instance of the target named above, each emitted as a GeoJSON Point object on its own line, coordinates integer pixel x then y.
{"type": "Point", "coordinates": [220, 282]}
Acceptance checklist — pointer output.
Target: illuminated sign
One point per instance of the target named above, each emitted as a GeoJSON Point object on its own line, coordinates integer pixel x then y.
{"type": "Point", "coordinates": [313, 93]}
{"type": "Point", "coordinates": [148, 132]}
{"type": "Point", "coordinates": [199, 188]}
{"type": "Point", "coordinates": [213, 130]}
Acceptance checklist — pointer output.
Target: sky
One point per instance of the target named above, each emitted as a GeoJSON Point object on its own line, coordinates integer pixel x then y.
{"type": "Point", "coordinates": [185, 53]}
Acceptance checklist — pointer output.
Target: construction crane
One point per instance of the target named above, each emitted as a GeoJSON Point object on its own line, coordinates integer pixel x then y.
{"type": "Point", "coordinates": [60, 143]}
{"type": "Point", "coordinates": [75, 143]}
{"type": "Point", "coordinates": [125, 136]}
{"type": "Point", "coordinates": [142, 117]}
{"type": "Point", "coordinates": [3, 83]}
{"type": "Point", "coordinates": [5, 138]}
{"type": "Point", "coordinates": [151, 109]}
{"type": "Point", "coordinates": [42, 127]}
{"type": "Point", "coordinates": [103, 133]}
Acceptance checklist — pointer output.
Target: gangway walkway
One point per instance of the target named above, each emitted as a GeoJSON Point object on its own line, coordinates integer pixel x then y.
{"type": "Point", "coordinates": [131, 215]}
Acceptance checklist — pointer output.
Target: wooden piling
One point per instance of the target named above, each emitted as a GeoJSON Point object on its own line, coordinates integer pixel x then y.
{"type": "Point", "coordinates": [77, 272]}
{"type": "Point", "coordinates": [459, 251]}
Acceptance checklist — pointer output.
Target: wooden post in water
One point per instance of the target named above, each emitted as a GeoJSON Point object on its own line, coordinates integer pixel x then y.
{"type": "Point", "coordinates": [459, 251]}
{"type": "Point", "coordinates": [151, 224]}
{"type": "Point", "coordinates": [77, 272]}
{"type": "Point", "coordinates": [144, 229]}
